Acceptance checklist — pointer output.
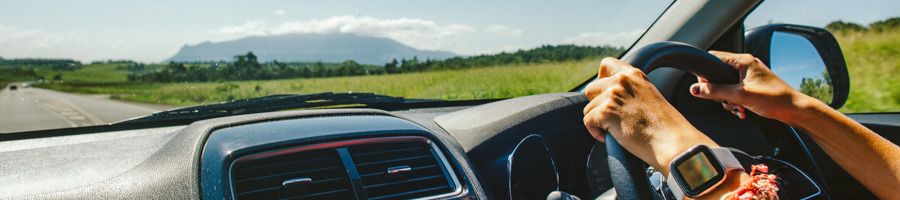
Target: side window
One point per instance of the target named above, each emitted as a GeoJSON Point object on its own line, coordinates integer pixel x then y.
{"type": "Point", "coordinates": [870, 44]}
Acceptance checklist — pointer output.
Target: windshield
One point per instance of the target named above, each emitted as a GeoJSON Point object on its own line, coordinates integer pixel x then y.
{"type": "Point", "coordinates": [83, 63]}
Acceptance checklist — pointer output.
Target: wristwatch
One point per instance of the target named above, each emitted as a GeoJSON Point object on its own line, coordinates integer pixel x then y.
{"type": "Point", "coordinates": [699, 170]}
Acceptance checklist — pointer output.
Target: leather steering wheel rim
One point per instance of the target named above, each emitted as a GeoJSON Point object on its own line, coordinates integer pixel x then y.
{"type": "Point", "coordinates": [628, 173]}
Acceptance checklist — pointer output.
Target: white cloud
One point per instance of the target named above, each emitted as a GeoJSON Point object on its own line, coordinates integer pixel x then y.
{"type": "Point", "coordinates": [604, 38]}
{"type": "Point", "coordinates": [279, 12]}
{"type": "Point", "coordinates": [498, 49]}
{"type": "Point", "coordinates": [248, 28]}
{"type": "Point", "coordinates": [17, 42]}
{"type": "Point", "coordinates": [419, 33]}
{"type": "Point", "coordinates": [504, 30]}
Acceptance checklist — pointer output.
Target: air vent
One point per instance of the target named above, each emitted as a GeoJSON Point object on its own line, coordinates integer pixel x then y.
{"type": "Point", "coordinates": [401, 170]}
{"type": "Point", "coordinates": [316, 174]}
{"type": "Point", "coordinates": [402, 167]}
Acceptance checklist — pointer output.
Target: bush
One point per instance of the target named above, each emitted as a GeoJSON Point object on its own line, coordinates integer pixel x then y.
{"type": "Point", "coordinates": [841, 26]}
{"type": "Point", "coordinates": [888, 24]}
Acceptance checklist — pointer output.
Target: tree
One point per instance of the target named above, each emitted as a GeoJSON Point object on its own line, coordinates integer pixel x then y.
{"type": "Point", "coordinates": [841, 26]}
{"type": "Point", "coordinates": [391, 67]}
{"type": "Point", "coordinates": [306, 72]}
{"type": "Point", "coordinates": [888, 24]}
{"type": "Point", "coordinates": [350, 68]}
{"type": "Point", "coordinates": [818, 87]}
{"type": "Point", "coordinates": [319, 70]}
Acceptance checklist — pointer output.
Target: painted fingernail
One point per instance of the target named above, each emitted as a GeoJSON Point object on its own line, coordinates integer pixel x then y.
{"type": "Point", "coordinates": [695, 89]}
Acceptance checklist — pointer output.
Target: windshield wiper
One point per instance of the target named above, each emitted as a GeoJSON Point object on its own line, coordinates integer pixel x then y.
{"type": "Point", "coordinates": [275, 103]}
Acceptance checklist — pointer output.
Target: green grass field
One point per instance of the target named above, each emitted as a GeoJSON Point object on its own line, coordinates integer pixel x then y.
{"type": "Point", "coordinates": [11, 76]}
{"type": "Point", "coordinates": [480, 83]}
{"type": "Point", "coordinates": [873, 61]}
{"type": "Point", "coordinates": [93, 73]}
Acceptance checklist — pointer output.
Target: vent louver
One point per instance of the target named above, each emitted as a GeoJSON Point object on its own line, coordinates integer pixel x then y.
{"type": "Point", "coordinates": [400, 170]}
{"type": "Point", "coordinates": [402, 167]}
{"type": "Point", "coordinates": [317, 174]}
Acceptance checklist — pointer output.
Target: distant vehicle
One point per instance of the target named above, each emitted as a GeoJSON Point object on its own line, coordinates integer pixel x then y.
{"type": "Point", "coordinates": [13, 87]}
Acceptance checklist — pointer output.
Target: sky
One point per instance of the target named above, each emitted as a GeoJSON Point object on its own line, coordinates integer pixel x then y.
{"type": "Point", "coordinates": [152, 31]}
{"type": "Point", "coordinates": [794, 58]}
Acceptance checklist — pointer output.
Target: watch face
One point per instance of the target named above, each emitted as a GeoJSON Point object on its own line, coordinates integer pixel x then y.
{"type": "Point", "coordinates": [697, 170]}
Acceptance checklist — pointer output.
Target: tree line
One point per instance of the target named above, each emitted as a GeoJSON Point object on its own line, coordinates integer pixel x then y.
{"type": "Point", "coordinates": [33, 63]}
{"type": "Point", "coordinates": [883, 25]}
{"type": "Point", "coordinates": [244, 67]}
{"type": "Point", "coordinates": [248, 67]}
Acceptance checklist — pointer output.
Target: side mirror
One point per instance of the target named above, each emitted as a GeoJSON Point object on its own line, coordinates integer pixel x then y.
{"type": "Point", "coordinates": [807, 58]}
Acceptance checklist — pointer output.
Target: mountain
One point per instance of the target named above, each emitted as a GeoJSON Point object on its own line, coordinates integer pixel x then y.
{"type": "Point", "coordinates": [307, 48]}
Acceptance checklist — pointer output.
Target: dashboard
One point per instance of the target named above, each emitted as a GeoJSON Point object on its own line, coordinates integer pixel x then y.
{"type": "Point", "coordinates": [504, 150]}
{"type": "Point", "coordinates": [520, 148]}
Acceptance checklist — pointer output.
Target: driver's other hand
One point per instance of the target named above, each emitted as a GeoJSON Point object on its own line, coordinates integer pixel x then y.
{"type": "Point", "coordinates": [627, 105]}
{"type": "Point", "coordinates": [759, 90]}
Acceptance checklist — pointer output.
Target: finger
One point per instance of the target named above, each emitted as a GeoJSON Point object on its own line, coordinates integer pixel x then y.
{"type": "Point", "coordinates": [602, 97]}
{"type": "Point", "coordinates": [593, 122]}
{"type": "Point", "coordinates": [595, 88]}
{"type": "Point", "coordinates": [603, 71]}
{"type": "Point", "coordinates": [597, 134]}
{"type": "Point", "coordinates": [702, 80]}
{"type": "Point", "coordinates": [726, 57]}
{"type": "Point", "coordinates": [717, 92]}
{"type": "Point", "coordinates": [614, 66]}
{"type": "Point", "coordinates": [599, 86]}
{"type": "Point", "coordinates": [722, 54]}
{"type": "Point", "coordinates": [739, 61]}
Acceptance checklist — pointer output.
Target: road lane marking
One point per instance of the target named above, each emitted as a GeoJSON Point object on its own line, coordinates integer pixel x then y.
{"type": "Point", "coordinates": [68, 112]}
{"type": "Point", "coordinates": [94, 119]}
{"type": "Point", "coordinates": [57, 115]}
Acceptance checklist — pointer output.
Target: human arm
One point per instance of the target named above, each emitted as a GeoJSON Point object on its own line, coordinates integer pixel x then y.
{"type": "Point", "coordinates": [868, 157]}
{"type": "Point", "coordinates": [626, 104]}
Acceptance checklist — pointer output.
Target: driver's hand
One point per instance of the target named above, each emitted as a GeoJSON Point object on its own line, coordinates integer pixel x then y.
{"type": "Point", "coordinates": [627, 105]}
{"type": "Point", "coordinates": [760, 90]}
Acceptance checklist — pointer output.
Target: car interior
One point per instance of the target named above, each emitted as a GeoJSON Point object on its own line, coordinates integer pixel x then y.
{"type": "Point", "coordinates": [516, 148]}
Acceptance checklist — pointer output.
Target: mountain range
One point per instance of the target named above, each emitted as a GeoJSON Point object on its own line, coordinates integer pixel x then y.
{"type": "Point", "coordinates": [307, 48]}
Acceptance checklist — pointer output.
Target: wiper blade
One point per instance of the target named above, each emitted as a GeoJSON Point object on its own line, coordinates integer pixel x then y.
{"type": "Point", "coordinates": [273, 103]}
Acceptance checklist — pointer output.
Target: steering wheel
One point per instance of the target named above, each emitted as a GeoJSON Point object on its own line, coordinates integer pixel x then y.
{"type": "Point", "coordinates": [628, 173]}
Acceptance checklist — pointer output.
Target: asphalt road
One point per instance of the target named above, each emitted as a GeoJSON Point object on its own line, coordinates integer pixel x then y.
{"type": "Point", "coordinates": [28, 109]}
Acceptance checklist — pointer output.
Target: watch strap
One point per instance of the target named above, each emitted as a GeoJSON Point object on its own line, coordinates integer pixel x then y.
{"type": "Point", "coordinates": [723, 155]}
{"type": "Point", "coordinates": [674, 187]}
{"type": "Point", "coordinates": [727, 158]}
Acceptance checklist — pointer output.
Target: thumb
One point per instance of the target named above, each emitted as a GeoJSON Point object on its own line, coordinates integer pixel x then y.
{"type": "Point", "coordinates": [718, 92]}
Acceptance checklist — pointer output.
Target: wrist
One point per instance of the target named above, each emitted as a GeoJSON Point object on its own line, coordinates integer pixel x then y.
{"type": "Point", "coordinates": [732, 181]}
{"type": "Point", "coordinates": [666, 149]}
{"type": "Point", "coordinates": [704, 171]}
